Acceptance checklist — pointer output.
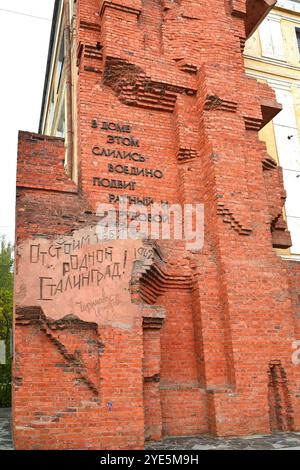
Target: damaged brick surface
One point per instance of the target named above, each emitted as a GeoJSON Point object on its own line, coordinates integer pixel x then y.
{"type": "Point", "coordinates": [112, 349]}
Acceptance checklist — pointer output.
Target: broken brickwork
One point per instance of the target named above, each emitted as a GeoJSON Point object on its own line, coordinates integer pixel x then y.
{"type": "Point", "coordinates": [162, 341]}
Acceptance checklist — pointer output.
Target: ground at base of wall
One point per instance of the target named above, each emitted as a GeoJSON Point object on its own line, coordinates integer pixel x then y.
{"type": "Point", "coordinates": [277, 441]}
{"type": "Point", "coordinates": [5, 429]}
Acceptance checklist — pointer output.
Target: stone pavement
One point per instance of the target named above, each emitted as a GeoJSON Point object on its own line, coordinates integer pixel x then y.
{"type": "Point", "coordinates": [277, 441]}
{"type": "Point", "coordinates": [5, 430]}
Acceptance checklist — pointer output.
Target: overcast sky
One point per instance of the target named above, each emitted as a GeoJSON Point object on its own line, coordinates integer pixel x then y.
{"type": "Point", "coordinates": [24, 46]}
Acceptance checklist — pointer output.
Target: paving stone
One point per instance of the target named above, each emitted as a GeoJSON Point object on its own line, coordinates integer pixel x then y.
{"type": "Point", "coordinates": [203, 447]}
{"type": "Point", "coordinates": [5, 430]}
{"type": "Point", "coordinates": [291, 448]}
{"type": "Point", "coordinates": [279, 446]}
{"type": "Point", "coordinates": [277, 441]}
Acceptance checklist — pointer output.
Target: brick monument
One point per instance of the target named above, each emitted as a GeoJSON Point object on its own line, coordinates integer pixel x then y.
{"type": "Point", "coordinates": [122, 341]}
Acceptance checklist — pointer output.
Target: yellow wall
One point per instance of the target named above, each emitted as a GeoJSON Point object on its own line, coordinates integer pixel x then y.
{"type": "Point", "coordinates": [285, 70]}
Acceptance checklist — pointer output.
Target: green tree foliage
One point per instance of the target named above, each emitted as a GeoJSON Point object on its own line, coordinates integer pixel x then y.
{"type": "Point", "coordinates": [6, 308]}
{"type": "Point", "coordinates": [6, 264]}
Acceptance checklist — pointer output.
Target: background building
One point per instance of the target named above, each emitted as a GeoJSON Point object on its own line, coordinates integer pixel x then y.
{"type": "Point", "coordinates": [58, 112]}
{"type": "Point", "coordinates": [272, 56]}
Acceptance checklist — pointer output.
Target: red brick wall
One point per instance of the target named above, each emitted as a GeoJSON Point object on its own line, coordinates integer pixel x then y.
{"type": "Point", "coordinates": [66, 371]}
{"type": "Point", "coordinates": [151, 372]}
{"type": "Point", "coordinates": [210, 349]}
{"type": "Point", "coordinates": [183, 403]}
{"type": "Point", "coordinates": [293, 270]}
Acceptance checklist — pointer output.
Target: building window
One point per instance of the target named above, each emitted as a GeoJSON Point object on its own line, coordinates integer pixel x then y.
{"type": "Point", "coordinates": [298, 38]}
{"type": "Point", "coordinates": [271, 39]}
{"type": "Point", "coordinates": [61, 123]}
{"type": "Point", "coordinates": [60, 61]}
{"type": "Point", "coordinates": [55, 117]}
{"type": "Point", "coordinates": [288, 148]}
{"type": "Point", "coordinates": [51, 110]}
